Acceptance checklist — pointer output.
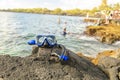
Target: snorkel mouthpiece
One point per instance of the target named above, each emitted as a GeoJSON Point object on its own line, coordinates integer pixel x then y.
{"type": "Point", "coordinates": [31, 42]}
{"type": "Point", "coordinates": [63, 57]}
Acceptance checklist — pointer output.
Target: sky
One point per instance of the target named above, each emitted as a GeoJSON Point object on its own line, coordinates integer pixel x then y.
{"type": "Point", "coordinates": [52, 4]}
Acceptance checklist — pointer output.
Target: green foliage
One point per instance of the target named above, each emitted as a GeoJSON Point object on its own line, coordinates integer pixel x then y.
{"type": "Point", "coordinates": [57, 11]}
{"type": "Point", "coordinates": [73, 12]}
{"type": "Point", "coordinates": [116, 6]}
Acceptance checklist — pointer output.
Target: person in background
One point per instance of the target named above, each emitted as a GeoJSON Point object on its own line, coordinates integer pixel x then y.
{"type": "Point", "coordinates": [64, 29]}
{"type": "Point", "coordinates": [59, 21]}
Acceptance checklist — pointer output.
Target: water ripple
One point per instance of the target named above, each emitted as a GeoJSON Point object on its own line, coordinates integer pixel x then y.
{"type": "Point", "coordinates": [18, 28]}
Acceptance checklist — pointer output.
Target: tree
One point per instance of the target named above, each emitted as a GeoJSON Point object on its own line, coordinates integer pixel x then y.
{"type": "Point", "coordinates": [103, 5]}
{"type": "Point", "coordinates": [57, 11]}
{"type": "Point", "coordinates": [116, 6]}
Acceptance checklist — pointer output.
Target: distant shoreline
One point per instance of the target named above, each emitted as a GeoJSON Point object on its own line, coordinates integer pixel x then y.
{"type": "Point", "coordinates": [45, 13]}
{"type": "Point", "coordinates": [57, 11]}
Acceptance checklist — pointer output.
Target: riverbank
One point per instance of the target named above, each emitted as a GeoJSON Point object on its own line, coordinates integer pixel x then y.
{"type": "Point", "coordinates": [38, 66]}
{"type": "Point", "coordinates": [105, 33]}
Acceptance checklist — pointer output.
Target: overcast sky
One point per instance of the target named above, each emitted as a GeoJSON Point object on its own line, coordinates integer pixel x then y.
{"type": "Point", "coordinates": [52, 4]}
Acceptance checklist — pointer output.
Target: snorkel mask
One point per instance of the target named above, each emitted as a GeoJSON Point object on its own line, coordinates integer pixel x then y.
{"type": "Point", "coordinates": [50, 41]}
{"type": "Point", "coordinates": [44, 41]}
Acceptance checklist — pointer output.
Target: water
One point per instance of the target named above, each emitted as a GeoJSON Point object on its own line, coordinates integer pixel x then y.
{"type": "Point", "coordinates": [17, 28]}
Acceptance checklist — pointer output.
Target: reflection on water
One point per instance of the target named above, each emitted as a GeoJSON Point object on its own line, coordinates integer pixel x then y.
{"type": "Point", "coordinates": [17, 28]}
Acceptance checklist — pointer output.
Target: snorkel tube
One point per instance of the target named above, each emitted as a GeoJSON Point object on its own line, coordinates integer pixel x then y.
{"type": "Point", "coordinates": [63, 56]}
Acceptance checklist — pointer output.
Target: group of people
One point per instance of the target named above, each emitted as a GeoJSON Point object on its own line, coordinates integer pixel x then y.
{"type": "Point", "coordinates": [108, 16]}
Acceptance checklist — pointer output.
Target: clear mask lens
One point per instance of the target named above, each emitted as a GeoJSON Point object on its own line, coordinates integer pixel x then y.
{"type": "Point", "coordinates": [50, 40]}
{"type": "Point", "coordinates": [41, 39]}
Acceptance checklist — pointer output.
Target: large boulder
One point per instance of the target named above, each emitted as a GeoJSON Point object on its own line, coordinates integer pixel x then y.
{"type": "Point", "coordinates": [109, 62]}
{"type": "Point", "coordinates": [38, 66]}
{"type": "Point", "coordinates": [107, 53]}
{"type": "Point", "coordinates": [111, 66]}
{"type": "Point", "coordinates": [106, 34]}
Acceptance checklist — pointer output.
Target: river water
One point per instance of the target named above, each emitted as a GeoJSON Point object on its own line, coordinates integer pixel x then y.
{"type": "Point", "coordinates": [17, 28]}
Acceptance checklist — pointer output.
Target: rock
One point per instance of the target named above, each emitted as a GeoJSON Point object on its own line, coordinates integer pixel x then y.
{"type": "Point", "coordinates": [110, 66]}
{"type": "Point", "coordinates": [35, 49]}
{"type": "Point", "coordinates": [109, 62]}
{"type": "Point", "coordinates": [117, 54]}
{"type": "Point", "coordinates": [103, 54]}
{"type": "Point", "coordinates": [109, 53]}
{"type": "Point", "coordinates": [84, 56]}
{"type": "Point", "coordinates": [38, 67]}
{"type": "Point", "coordinates": [90, 20]}
{"type": "Point", "coordinates": [107, 34]}
{"type": "Point", "coordinates": [1, 78]}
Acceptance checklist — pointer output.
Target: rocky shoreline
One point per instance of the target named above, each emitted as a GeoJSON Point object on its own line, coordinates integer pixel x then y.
{"type": "Point", "coordinates": [38, 66]}
{"type": "Point", "coordinates": [109, 62]}
{"type": "Point", "coordinates": [105, 33]}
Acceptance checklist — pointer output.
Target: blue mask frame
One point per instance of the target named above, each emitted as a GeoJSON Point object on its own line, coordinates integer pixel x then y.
{"type": "Point", "coordinates": [48, 41]}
